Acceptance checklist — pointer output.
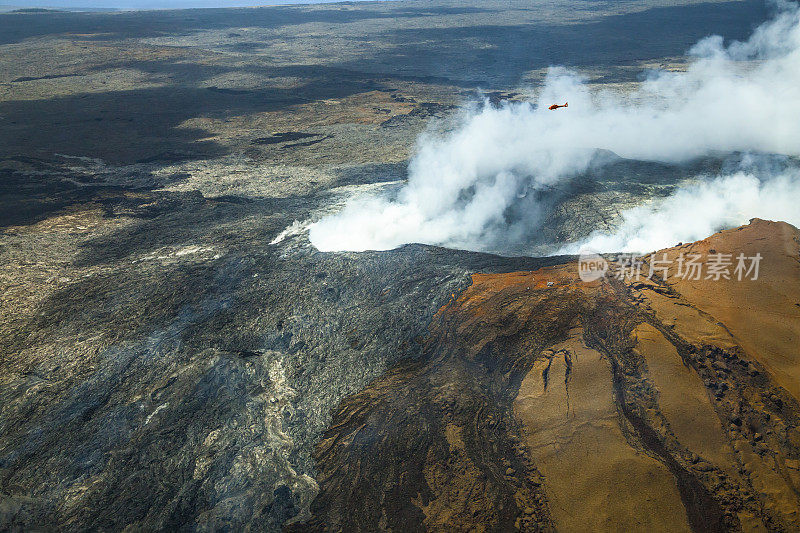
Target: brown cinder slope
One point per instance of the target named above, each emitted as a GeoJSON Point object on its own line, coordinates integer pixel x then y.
{"type": "Point", "coordinates": [542, 402]}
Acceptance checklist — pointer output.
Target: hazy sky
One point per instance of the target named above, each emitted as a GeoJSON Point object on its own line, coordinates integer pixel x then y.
{"type": "Point", "coordinates": [151, 4]}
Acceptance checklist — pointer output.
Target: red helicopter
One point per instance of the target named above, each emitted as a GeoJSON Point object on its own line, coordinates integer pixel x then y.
{"type": "Point", "coordinates": [556, 106]}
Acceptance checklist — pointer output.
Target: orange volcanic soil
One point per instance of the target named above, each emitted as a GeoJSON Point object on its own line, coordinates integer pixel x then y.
{"type": "Point", "coordinates": [542, 402]}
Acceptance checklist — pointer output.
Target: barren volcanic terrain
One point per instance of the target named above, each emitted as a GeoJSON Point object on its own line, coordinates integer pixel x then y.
{"type": "Point", "coordinates": [544, 402]}
{"type": "Point", "coordinates": [176, 355]}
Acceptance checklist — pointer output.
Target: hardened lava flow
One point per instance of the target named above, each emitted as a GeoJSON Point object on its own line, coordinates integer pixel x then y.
{"type": "Point", "coordinates": [542, 402]}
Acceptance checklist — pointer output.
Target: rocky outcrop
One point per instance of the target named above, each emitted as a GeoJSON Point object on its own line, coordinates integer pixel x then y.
{"type": "Point", "coordinates": [542, 402]}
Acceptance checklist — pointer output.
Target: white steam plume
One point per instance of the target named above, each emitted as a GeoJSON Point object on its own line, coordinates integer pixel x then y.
{"type": "Point", "coordinates": [698, 210]}
{"type": "Point", "coordinates": [743, 97]}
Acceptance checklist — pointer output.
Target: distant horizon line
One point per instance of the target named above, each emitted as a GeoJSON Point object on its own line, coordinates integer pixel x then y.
{"type": "Point", "coordinates": [150, 5]}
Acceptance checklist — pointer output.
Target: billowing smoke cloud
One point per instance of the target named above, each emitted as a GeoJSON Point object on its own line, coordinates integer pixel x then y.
{"type": "Point", "coordinates": [696, 211]}
{"type": "Point", "coordinates": [463, 186]}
